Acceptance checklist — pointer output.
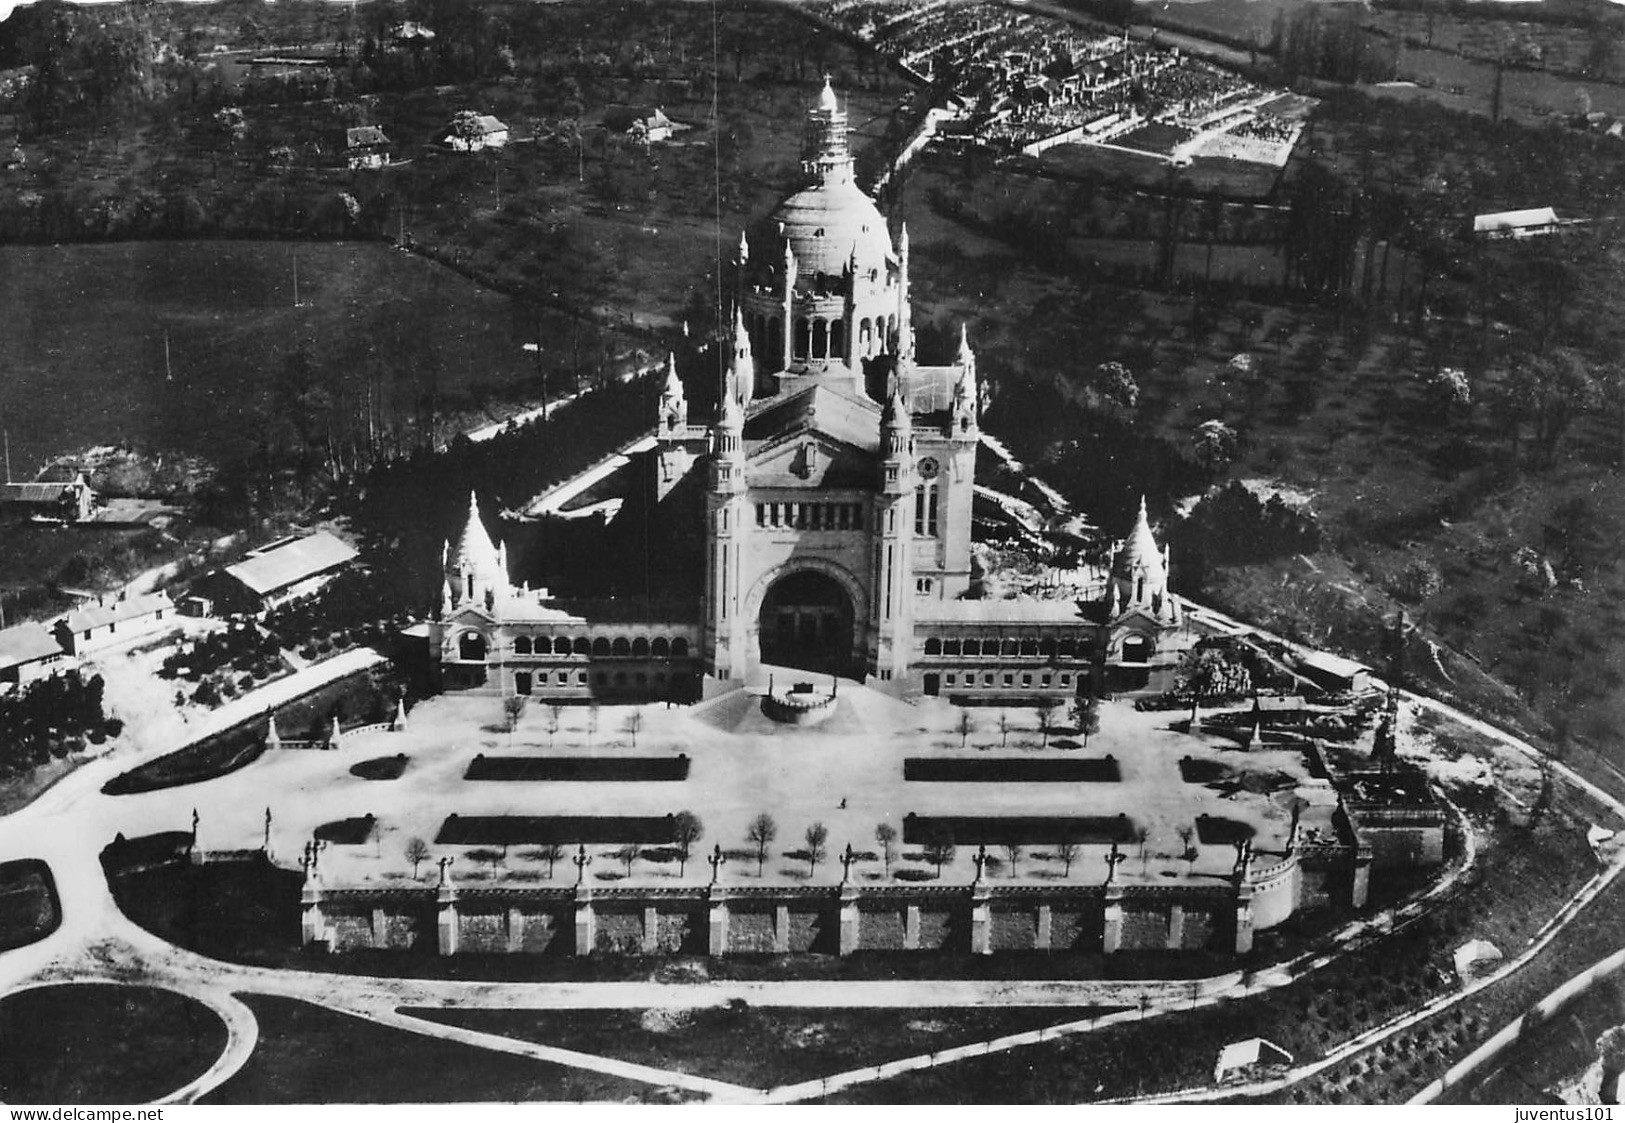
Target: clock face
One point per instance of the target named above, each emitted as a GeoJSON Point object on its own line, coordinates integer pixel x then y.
{"type": "Point", "coordinates": [928, 467]}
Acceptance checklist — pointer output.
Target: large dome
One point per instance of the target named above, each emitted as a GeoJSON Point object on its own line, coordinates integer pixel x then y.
{"type": "Point", "coordinates": [825, 222]}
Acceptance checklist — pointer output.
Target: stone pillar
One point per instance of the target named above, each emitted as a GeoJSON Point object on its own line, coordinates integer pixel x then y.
{"type": "Point", "coordinates": [1176, 926]}
{"type": "Point", "coordinates": [380, 927]}
{"type": "Point", "coordinates": [516, 929]}
{"type": "Point", "coordinates": [1046, 927]}
{"type": "Point", "coordinates": [450, 926]}
{"type": "Point", "coordinates": [1244, 919]}
{"type": "Point", "coordinates": [312, 923]}
{"type": "Point", "coordinates": [911, 928]}
{"type": "Point", "coordinates": [1360, 885]}
{"type": "Point", "coordinates": [851, 920]}
{"type": "Point", "coordinates": [717, 943]}
{"type": "Point", "coordinates": [1111, 929]}
{"type": "Point", "coordinates": [981, 922]}
{"type": "Point", "coordinates": [781, 928]}
{"type": "Point", "coordinates": [586, 922]}
{"type": "Point", "coordinates": [651, 929]}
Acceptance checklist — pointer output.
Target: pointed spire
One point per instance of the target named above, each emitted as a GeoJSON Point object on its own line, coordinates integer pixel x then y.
{"type": "Point", "coordinates": [273, 739]}
{"type": "Point", "coordinates": [338, 734]}
{"type": "Point", "coordinates": [674, 385]}
{"type": "Point", "coordinates": [744, 248]}
{"type": "Point", "coordinates": [446, 603]}
{"type": "Point", "coordinates": [895, 415]}
{"type": "Point", "coordinates": [399, 724]}
{"type": "Point", "coordinates": [731, 415]}
{"type": "Point", "coordinates": [902, 242]}
{"type": "Point", "coordinates": [826, 97]}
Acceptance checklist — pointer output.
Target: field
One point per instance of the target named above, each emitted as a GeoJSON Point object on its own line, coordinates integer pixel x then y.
{"type": "Point", "coordinates": [86, 364]}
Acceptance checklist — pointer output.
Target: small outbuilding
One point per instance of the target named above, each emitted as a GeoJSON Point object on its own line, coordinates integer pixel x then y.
{"type": "Point", "coordinates": [1476, 958]}
{"type": "Point", "coordinates": [113, 622]}
{"type": "Point", "coordinates": [1335, 674]}
{"type": "Point", "coordinates": [366, 148]}
{"type": "Point", "coordinates": [282, 571]}
{"type": "Point", "coordinates": [1247, 1058]}
{"type": "Point", "coordinates": [474, 132]}
{"type": "Point", "coordinates": [27, 652]}
{"type": "Point", "coordinates": [70, 501]}
{"type": "Point", "coordinates": [643, 123]}
{"type": "Point", "coordinates": [1531, 223]}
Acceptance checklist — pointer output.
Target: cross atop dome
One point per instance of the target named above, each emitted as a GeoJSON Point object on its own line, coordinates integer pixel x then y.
{"type": "Point", "coordinates": [826, 99]}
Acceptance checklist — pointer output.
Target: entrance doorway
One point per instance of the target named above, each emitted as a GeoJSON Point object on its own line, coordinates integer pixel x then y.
{"type": "Point", "coordinates": [806, 622]}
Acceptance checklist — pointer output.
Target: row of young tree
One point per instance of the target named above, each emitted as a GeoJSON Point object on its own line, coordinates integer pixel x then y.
{"type": "Point", "coordinates": [50, 718]}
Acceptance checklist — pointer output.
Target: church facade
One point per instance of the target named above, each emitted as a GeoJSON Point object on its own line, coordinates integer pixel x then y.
{"type": "Point", "coordinates": [838, 475]}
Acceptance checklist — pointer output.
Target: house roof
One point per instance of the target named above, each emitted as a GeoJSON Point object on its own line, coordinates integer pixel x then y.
{"type": "Point", "coordinates": [1329, 664]}
{"type": "Point", "coordinates": [1254, 1050]}
{"type": "Point", "coordinates": [129, 608]}
{"type": "Point", "coordinates": [363, 135]}
{"type": "Point", "coordinates": [1514, 220]}
{"type": "Point", "coordinates": [36, 492]}
{"type": "Point", "coordinates": [469, 123]}
{"type": "Point", "coordinates": [288, 563]}
{"type": "Point", "coordinates": [27, 643]}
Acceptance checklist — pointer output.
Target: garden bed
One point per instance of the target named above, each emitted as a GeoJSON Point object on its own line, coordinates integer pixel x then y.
{"type": "Point", "coordinates": [630, 769]}
{"type": "Point", "coordinates": [1012, 770]}
{"type": "Point", "coordinates": [1025, 830]}
{"type": "Point", "coordinates": [1215, 830]}
{"type": "Point", "coordinates": [381, 767]}
{"type": "Point", "coordinates": [353, 831]}
{"type": "Point", "coordinates": [591, 830]}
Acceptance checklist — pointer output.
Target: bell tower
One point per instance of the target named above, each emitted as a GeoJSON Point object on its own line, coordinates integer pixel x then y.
{"type": "Point", "coordinates": [892, 619]}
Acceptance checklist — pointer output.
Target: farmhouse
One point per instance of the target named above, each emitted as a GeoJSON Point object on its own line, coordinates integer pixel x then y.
{"type": "Point", "coordinates": [71, 501]}
{"type": "Point", "coordinates": [833, 492]}
{"type": "Point", "coordinates": [645, 124]}
{"type": "Point", "coordinates": [27, 652]}
{"type": "Point", "coordinates": [281, 571]}
{"type": "Point", "coordinates": [1533, 223]}
{"type": "Point", "coordinates": [474, 132]}
{"type": "Point", "coordinates": [113, 623]}
{"type": "Point", "coordinates": [365, 148]}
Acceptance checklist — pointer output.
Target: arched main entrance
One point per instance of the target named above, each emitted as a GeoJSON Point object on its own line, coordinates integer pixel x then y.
{"type": "Point", "coordinates": [806, 622]}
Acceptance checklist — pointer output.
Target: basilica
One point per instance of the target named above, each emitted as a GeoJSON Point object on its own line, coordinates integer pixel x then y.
{"type": "Point", "coordinates": [833, 490]}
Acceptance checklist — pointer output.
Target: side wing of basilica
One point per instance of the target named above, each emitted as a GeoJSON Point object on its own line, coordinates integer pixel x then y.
{"type": "Point", "coordinates": [833, 491]}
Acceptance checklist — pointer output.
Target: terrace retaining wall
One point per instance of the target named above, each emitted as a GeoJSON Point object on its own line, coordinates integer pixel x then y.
{"type": "Point", "coordinates": [981, 918]}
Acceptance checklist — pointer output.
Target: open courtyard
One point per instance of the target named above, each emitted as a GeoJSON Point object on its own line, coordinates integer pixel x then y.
{"type": "Point", "coordinates": [847, 774]}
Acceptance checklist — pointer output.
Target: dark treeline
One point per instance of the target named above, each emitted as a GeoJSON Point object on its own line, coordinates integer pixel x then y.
{"type": "Point", "coordinates": [1330, 45]}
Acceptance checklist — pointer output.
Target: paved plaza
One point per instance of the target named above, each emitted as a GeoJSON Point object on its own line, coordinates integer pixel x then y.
{"type": "Point", "coordinates": [846, 774]}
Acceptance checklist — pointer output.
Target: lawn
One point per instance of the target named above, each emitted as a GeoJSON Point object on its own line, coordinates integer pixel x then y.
{"type": "Point", "coordinates": [94, 1043]}
{"type": "Point", "coordinates": [309, 1055]}
{"type": "Point", "coordinates": [382, 328]}
{"type": "Point", "coordinates": [29, 909]}
{"type": "Point", "coordinates": [760, 1047]}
